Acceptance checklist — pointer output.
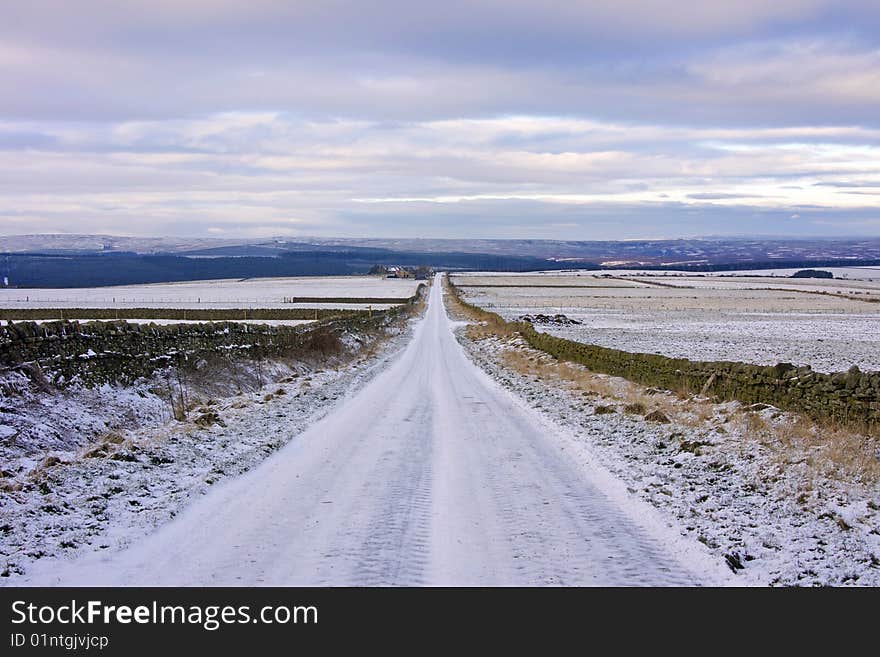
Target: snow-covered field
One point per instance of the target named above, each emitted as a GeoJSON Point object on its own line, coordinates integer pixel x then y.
{"type": "Point", "coordinates": [863, 273]}
{"type": "Point", "coordinates": [231, 293]}
{"type": "Point", "coordinates": [707, 318]}
{"type": "Point", "coordinates": [834, 286]}
{"type": "Point", "coordinates": [168, 322]}
{"type": "Point", "coordinates": [828, 343]}
{"type": "Point", "coordinates": [589, 281]}
{"type": "Point", "coordinates": [637, 299]}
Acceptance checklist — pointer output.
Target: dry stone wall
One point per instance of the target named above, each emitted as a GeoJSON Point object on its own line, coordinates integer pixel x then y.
{"type": "Point", "coordinates": [117, 351]}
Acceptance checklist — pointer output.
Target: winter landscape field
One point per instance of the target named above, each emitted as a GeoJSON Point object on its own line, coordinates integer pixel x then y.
{"type": "Point", "coordinates": [830, 325]}
{"type": "Point", "coordinates": [441, 448]}
{"type": "Point", "coordinates": [300, 297]}
{"type": "Point", "coordinates": [232, 293]}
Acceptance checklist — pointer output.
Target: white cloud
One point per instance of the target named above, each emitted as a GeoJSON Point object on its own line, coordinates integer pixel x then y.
{"type": "Point", "coordinates": [263, 168]}
{"type": "Point", "coordinates": [192, 114]}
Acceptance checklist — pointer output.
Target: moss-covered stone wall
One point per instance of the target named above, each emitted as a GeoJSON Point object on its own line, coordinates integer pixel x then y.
{"type": "Point", "coordinates": [117, 351]}
{"type": "Point", "coordinates": [844, 396]}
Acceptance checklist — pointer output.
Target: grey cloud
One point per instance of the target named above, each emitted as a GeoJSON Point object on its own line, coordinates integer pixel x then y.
{"type": "Point", "coordinates": [26, 140]}
{"type": "Point", "coordinates": [501, 117]}
{"type": "Point", "coordinates": [721, 92]}
{"type": "Point", "coordinates": [717, 196]}
{"type": "Point", "coordinates": [547, 221]}
{"type": "Point", "coordinates": [849, 183]}
{"type": "Point", "coordinates": [623, 59]}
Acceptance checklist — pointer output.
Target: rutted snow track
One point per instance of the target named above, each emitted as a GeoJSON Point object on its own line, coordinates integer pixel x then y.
{"type": "Point", "coordinates": [429, 475]}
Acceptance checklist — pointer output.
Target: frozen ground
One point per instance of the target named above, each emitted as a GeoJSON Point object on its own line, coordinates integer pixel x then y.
{"type": "Point", "coordinates": [585, 280]}
{"type": "Point", "coordinates": [231, 293]}
{"type": "Point", "coordinates": [766, 512]}
{"type": "Point", "coordinates": [867, 288]}
{"type": "Point", "coordinates": [855, 273]}
{"type": "Point", "coordinates": [430, 474]}
{"type": "Point", "coordinates": [168, 322]}
{"type": "Point", "coordinates": [35, 423]}
{"type": "Point", "coordinates": [672, 298]}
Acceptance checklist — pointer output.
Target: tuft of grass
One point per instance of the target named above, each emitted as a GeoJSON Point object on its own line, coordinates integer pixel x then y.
{"type": "Point", "coordinates": [658, 416]}
{"type": "Point", "coordinates": [635, 408]}
{"type": "Point", "coordinates": [752, 424]}
{"type": "Point", "coordinates": [831, 449]}
{"type": "Point", "coordinates": [103, 446]}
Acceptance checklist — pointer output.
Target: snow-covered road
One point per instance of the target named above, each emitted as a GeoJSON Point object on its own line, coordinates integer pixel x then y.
{"type": "Point", "coordinates": [431, 474]}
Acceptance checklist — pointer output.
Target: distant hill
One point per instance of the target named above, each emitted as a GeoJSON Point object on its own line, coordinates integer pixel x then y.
{"type": "Point", "coordinates": [88, 260]}
{"type": "Point", "coordinates": [91, 244]}
{"type": "Point", "coordinates": [90, 270]}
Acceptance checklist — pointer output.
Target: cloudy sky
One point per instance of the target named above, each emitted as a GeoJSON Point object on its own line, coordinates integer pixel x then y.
{"type": "Point", "coordinates": [586, 119]}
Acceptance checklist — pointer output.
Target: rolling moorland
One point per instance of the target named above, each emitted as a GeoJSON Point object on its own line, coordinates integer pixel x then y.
{"type": "Point", "coordinates": [94, 260]}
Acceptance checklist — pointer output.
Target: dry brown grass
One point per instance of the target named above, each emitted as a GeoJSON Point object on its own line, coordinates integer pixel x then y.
{"type": "Point", "coordinates": [422, 302]}
{"type": "Point", "coordinates": [829, 450]}
{"type": "Point", "coordinates": [484, 324]}
{"type": "Point", "coordinates": [455, 304]}
{"type": "Point", "coordinates": [752, 424]}
{"type": "Point", "coordinates": [103, 446]}
{"type": "Point", "coordinates": [483, 330]}
{"type": "Point", "coordinates": [578, 379]}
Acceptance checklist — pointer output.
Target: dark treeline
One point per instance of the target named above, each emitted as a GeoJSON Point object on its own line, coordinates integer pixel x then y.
{"type": "Point", "coordinates": [94, 270]}
{"type": "Point", "coordinates": [52, 270]}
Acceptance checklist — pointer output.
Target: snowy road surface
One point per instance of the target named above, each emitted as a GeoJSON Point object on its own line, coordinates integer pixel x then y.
{"type": "Point", "coordinates": [429, 475]}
